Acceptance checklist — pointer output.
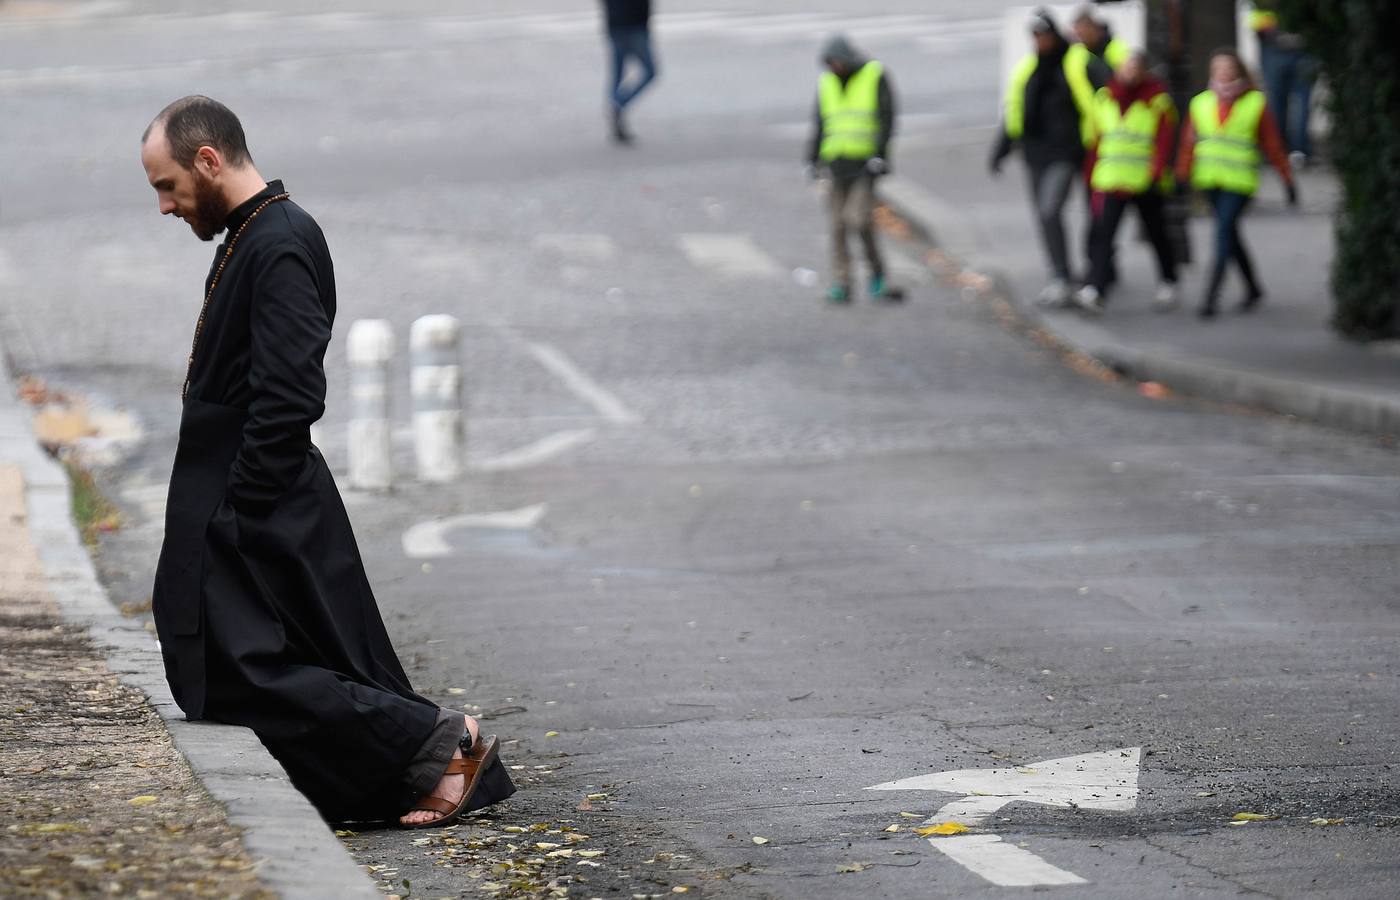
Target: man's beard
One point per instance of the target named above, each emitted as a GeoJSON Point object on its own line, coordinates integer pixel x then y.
{"type": "Point", "coordinates": [210, 209]}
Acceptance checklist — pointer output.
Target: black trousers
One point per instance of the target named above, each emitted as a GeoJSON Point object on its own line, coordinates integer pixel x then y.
{"type": "Point", "coordinates": [1152, 208]}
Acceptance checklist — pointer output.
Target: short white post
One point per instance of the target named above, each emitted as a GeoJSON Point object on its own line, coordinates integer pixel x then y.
{"type": "Point", "coordinates": [371, 350]}
{"type": "Point", "coordinates": [436, 384]}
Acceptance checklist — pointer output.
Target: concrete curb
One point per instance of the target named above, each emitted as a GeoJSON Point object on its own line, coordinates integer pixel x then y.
{"type": "Point", "coordinates": [295, 853]}
{"type": "Point", "coordinates": [1372, 413]}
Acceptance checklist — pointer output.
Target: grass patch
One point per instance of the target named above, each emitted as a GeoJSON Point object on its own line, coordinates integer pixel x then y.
{"type": "Point", "coordinates": [93, 512]}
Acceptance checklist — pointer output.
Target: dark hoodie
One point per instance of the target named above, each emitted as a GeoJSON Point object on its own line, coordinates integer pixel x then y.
{"type": "Point", "coordinates": [1052, 118]}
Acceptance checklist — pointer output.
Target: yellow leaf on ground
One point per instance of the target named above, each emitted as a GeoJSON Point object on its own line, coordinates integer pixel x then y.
{"type": "Point", "coordinates": [1251, 817]}
{"type": "Point", "coordinates": [892, 828]}
{"type": "Point", "coordinates": [551, 734]}
{"type": "Point", "coordinates": [1322, 821]}
{"type": "Point", "coordinates": [760, 840]}
{"type": "Point", "coordinates": [910, 816]}
{"type": "Point", "coordinates": [852, 867]}
{"type": "Point", "coordinates": [143, 800]}
{"type": "Point", "coordinates": [944, 829]}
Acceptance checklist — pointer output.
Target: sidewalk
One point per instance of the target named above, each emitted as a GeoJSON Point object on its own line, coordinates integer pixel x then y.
{"type": "Point", "coordinates": [102, 797]}
{"type": "Point", "coordinates": [1284, 358]}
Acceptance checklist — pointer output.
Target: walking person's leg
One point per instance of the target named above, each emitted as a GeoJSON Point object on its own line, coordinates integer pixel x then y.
{"type": "Point", "coordinates": [617, 46]}
{"type": "Point", "coordinates": [861, 209]}
{"type": "Point", "coordinates": [1228, 207]}
{"type": "Point", "coordinates": [1050, 186]}
{"type": "Point", "coordinates": [1254, 293]}
{"type": "Point", "coordinates": [837, 199]}
{"type": "Point", "coordinates": [1108, 210]}
{"type": "Point", "coordinates": [1151, 206]}
{"type": "Point", "coordinates": [638, 45]}
{"type": "Point", "coordinates": [1299, 135]}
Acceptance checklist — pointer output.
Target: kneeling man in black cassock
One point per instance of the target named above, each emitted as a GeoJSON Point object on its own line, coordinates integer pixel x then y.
{"type": "Point", "coordinates": [265, 616]}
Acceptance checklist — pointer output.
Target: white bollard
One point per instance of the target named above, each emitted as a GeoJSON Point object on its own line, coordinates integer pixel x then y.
{"type": "Point", "coordinates": [370, 351]}
{"type": "Point", "coordinates": [436, 384]}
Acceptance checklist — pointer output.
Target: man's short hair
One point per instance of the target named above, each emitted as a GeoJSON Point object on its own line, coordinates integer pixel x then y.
{"type": "Point", "coordinates": [197, 121]}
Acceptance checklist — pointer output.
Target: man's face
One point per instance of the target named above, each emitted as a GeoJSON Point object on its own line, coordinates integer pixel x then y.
{"type": "Point", "coordinates": [1088, 32]}
{"type": "Point", "coordinates": [1044, 41]}
{"type": "Point", "coordinates": [187, 194]}
{"type": "Point", "coordinates": [838, 66]}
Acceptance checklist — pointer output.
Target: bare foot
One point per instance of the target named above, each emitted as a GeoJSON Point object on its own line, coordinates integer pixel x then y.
{"type": "Point", "coordinates": [450, 788]}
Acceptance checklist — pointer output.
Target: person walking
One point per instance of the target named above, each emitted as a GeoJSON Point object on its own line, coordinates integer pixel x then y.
{"type": "Point", "coordinates": [1046, 114]}
{"type": "Point", "coordinates": [629, 38]}
{"type": "Point", "coordinates": [1097, 55]}
{"type": "Point", "coordinates": [265, 616]}
{"type": "Point", "coordinates": [1134, 124]}
{"type": "Point", "coordinates": [1228, 131]}
{"type": "Point", "coordinates": [1289, 75]}
{"type": "Point", "coordinates": [852, 129]}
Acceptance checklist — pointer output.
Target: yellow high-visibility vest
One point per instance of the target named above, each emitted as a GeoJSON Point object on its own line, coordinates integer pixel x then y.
{"type": "Point", "coordinates": [1014, 117]}
{"type": "Point", "coordinates": [1127, 142]}
{"type": "Point", "coordinates": [850, 114]}
{"type": "Point", "coordinates": [1227, 153]}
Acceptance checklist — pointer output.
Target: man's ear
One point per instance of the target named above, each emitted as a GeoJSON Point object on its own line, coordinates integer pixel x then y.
{"type": "Point", "coordinates": [208, 161]}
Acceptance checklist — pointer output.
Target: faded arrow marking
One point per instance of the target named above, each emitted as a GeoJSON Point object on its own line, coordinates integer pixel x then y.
{"type": "Point", "coordinates": [428, 540]}
{"type": "Point", "coordinates": [1106, 780]}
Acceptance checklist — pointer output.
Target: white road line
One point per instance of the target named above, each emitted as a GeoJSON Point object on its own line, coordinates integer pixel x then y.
{"type": "Point", "coordinates": [583, 387]}
{"type": "Point", "coordinates": [428, 540]}
{"type": "Point", "coordinates": [729, 254]}
{"type": "Point", "coordinates": [533, 454]}
{"type": "Point", "coordinates": [1001, 863]}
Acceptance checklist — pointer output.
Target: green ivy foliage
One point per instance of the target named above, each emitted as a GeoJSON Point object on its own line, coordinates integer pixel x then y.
{"type": "Point", "coordinates": [1355, 43]}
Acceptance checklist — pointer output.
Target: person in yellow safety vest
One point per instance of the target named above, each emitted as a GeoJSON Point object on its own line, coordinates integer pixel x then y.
{"type": "Point", "coordinates": [1227, 134]}
{"type": "Point", "coordinates": [850, 144]}
{"type": "Point", "coordinates": [1135, 122]}
{"type": "Point", "coordinates": [1098, 54]}
{"type": "Point", "coordinates": [1046, 115]}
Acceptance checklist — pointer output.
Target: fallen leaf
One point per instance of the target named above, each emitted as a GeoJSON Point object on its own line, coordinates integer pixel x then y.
{"type": "Point", "coordinates": [910, 816]}
{"type": "Point", "coordinates": [1322, 821]}
{"type": "Point", "coordinates": [597, 796]}
{"type": "Point", "coordinates": [143, 800]}
{"type": "Point", "coordinates": [551, 734]}
{"type": "Point", "coordinates": [1205, 793]}
{"type": "Point", "coordinates": [852, 867]}
{"type": "Point", "coordinates": [1251, 817]}
{"type": "Point", "coordinates": [590, 854]}
{"type": "Point", "coordinates": [892, 828]}
{"type": "Point", "coordinates": [760, 840]}
{"type": "Point", "coordinates": [680, 889]}
{"type": "Point", "coordinates": [942, 829]}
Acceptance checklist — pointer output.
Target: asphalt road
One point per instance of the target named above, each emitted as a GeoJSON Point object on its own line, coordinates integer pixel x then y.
{"type": "Point", "coordinates": [788, 552]}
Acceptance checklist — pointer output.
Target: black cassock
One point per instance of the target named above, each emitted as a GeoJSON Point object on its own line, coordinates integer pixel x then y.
{"type": "Point", "coordinates": [265, 616]}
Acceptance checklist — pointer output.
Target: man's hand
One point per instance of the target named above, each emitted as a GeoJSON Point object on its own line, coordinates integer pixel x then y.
{"type": "Point", "coordinates": [876, 165]}
{"type": "Point", "coordinates": [811, 172]}
{"type": "Point", "coordinates": [1291, 189]}
{"type": "Point", "coordinates": [994, 163]}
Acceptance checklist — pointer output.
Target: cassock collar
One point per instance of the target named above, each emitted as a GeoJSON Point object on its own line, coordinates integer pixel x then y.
{"type": "Point", "coordinates": [242, 211]}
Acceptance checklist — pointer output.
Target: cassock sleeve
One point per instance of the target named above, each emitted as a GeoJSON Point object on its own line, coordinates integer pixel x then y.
{"type": "Point", "coordinates": [289, 331]}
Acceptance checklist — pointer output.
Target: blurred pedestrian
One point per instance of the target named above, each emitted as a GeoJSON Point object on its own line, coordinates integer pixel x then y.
{"type": "Point", "coordinates": [1227, 133]}
{"type": "Point", "coordinates": [1134, 124]}
{"type": "Point", "coordinates": [854, 122]}
{"type": "Point", "coordinates": [264, 613]}
{"type": "Point", "coordinates": [1289, 74]}
{"type": "Point", "coordinates": [1046, 114]}
{"type": "Point", "coordinates": [629, 37]}
{"type": "Point", "coordinates": [1097, 55]}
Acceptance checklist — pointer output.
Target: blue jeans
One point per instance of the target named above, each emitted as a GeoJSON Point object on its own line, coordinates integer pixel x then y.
{"type": "Point", "coordinates": [635, 43]}
{"type": "Point", "coordinates": [1288, 81]}
{"type": "Point", "coordinates": [1229, 245]}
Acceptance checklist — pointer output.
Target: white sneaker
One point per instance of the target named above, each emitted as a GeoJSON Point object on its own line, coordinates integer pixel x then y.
{"type": "Point", "coordinates": [1167, 298]}
{"type": "Point", "coordinates": [1055, 295]}
{"type": "Point", "coordinates": [1089, 300]}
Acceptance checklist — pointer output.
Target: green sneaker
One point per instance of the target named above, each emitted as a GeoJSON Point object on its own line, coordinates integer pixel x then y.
{"type": "Point", "coordinates": [877, 287]}
{"type": "Point", "coordinates": [838, 293]}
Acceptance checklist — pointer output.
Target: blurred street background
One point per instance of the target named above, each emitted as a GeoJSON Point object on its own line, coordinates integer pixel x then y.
{"type": "Point", "coordinates": [781, 552]}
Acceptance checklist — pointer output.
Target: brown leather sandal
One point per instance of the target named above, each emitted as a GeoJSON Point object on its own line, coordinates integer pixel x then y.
{"type": "Point", "coordinates": [473, 764]}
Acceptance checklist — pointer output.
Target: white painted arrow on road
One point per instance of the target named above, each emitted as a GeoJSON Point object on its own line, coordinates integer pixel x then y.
{"type": "Point", "coordinates": [1107, 780]}
{"type": "Point", "coordinates": [428, 540]}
